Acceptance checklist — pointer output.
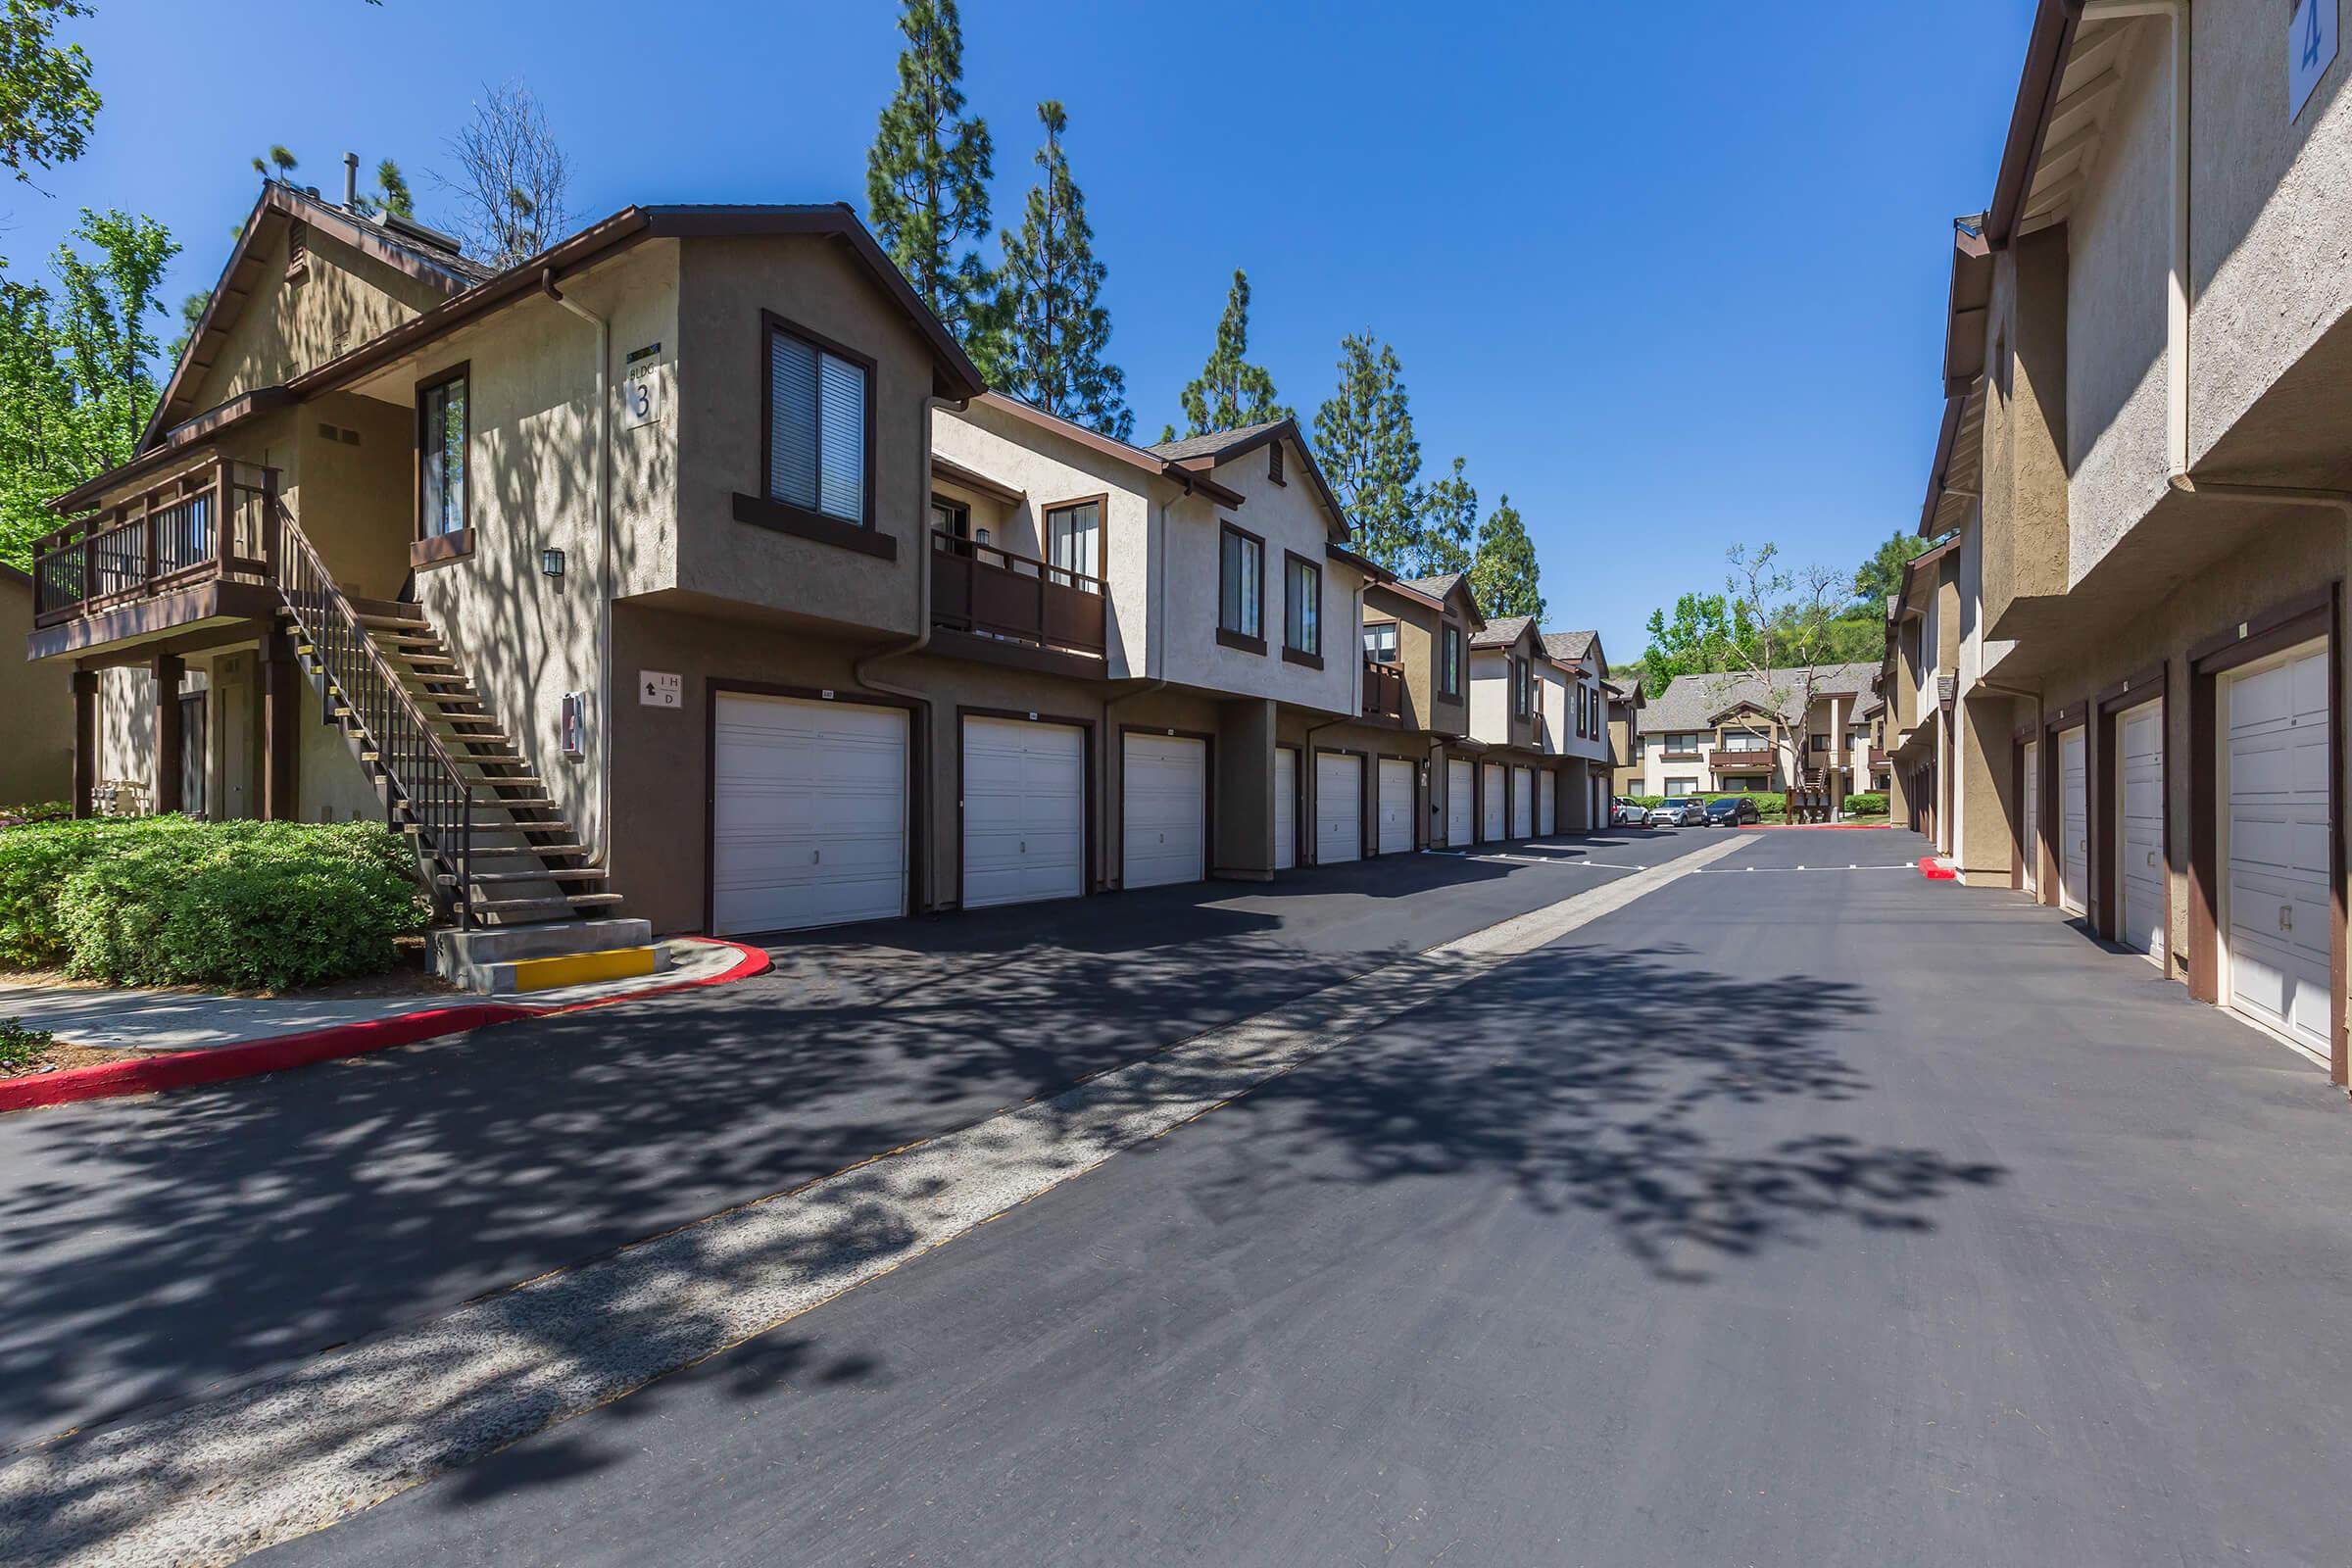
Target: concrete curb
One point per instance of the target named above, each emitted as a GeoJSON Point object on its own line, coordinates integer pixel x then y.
{"type": "Point", "coordinates": [182, 1069]}
{"type": "Point", "coordinates": [1937, 869]}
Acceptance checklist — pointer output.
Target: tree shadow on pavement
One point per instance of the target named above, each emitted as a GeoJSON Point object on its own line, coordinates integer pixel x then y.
{"type": "Point", "coordinates": [1656, 1096]}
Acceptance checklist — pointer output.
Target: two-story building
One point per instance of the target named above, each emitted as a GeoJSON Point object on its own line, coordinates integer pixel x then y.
{"type": "Point", "coordinates": [1576, 727]}
{"type": "Point", "coordinates": [1518, 699]}
{"type": "Point", "coordinates": [1774, 731]}
{"type": "Point", "coordinates": [1626, 706]}
{"type": "Point", "coordinates": [2147, 338]}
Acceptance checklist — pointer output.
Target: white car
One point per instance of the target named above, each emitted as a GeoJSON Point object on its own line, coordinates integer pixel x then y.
{"type": "Point", "coordinates": [1626, 812]}
{"type": "Point", "coordinates": [1687, 811]}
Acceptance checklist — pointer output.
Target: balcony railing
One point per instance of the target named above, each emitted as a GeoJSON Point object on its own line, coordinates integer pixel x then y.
{"type": "Point", "coordinates": [1383, 691]}
{"type": "Point", "coordinates": [1723, 762]}
{"type": "Point", "coordinates": [202, 524]}
{"type": "Point", "coordinates": [1878, 756]}
{"type": "Point", "coordinates": [1003, 594]}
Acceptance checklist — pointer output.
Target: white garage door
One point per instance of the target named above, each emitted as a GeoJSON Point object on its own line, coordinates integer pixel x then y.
{"type": "Point", "coordinates": [1494, 796]}
{"type": "Point", "coordinates": [1339, 808]}
{"type": "Point", "coordinates": [1025, 812]}
{"type": "Point", "coordinates": [2139, 738]}
{"type": "Point", "coordinates": [1460, 795]}
{"type": "Point", "coordinates": [2029, 816]}
{"type": "Point", "coordinates": [2074, 823]}
{"type": "Point", "coordinates": [1286, 808]}
{"type": "Point", "coordinates": [1523, 801]}
{"type": "Point", "coordinates": [1396, 807]}
{"type": "Point", "coordinates": [2275, 876]}
{"type": "Point", "coordinates": [1547, 805]}
{"type": "Point", "coordinates": [807, 814]}
{"type": "Point", "coordinates": [1164, 815]}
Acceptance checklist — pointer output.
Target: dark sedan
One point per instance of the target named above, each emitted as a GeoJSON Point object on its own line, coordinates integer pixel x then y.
{"type": "Point", "coordinates": [1732, 810]}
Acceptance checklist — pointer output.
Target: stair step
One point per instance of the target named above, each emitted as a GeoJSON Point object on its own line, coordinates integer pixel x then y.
{"type": "Point", "coordinates": [510, 851]}
{"type": "Point", "coordinates": [582, 874]}
{"type": "Point", "coordinates": [504, 825]}
{"type": "Point", "coordinates": [437, 660]}
{"type": "Point", "coordinates": [575, 901]}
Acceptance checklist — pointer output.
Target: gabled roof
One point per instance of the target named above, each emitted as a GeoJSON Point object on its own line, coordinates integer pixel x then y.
{"type": "Point", "coordinates": [1624, 690]}
{"type": "Point", "coordinates": [1443, 587]}
{"type": "Point", "coordinates": [1502, 633]}
{"type": "Point", "coordinates": [1569, 647]}
{"type": "Point", "coordinates": [1695, 701]}
{"type": "Point", "coordinates": [1142, 459]}
{"type": "Point", "coordinates": [1202, 453]}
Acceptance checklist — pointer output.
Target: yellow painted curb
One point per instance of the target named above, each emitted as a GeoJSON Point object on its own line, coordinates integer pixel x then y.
{"type": "Point", "coordinates": [582, 968]}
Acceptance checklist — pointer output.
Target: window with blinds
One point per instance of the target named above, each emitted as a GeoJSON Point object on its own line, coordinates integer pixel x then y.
{"type": "Point", "coordinates": [816, 418]}
{"type": "Point", "coordinates": [441, 431]}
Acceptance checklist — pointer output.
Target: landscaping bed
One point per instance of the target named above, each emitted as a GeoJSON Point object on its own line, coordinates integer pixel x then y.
{"type": "Point", "coordinates": [175, 900]}
{"type": "Point", "coordinates": [31, 1052]}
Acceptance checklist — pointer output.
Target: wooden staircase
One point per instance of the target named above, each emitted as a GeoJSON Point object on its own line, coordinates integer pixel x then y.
{"type": "Point", "coordinates": [490, 836]}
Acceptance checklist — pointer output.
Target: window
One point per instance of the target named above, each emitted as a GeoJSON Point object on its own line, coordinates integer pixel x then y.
{"type": "Point", "coordinates": [1821, 743]}
{"type": "Point", "coordinates": [1742, 740]}
{"type": "Point", "coordinates": [441, 457]}
{"type": "Point", "coordinates": [1380, 642]}
{"type": "Point", "coordinates": [818, 427]}
{"type": "Point", "coordinates": [951, 517]}
{"type": "Point", "coordinates": [1519, 674]}
{"type": "Point", "coordinates": [1673, 742]}
{"type": "Point", "coordinates": [1449, 672]}
{"type": "Point", "coordinates": [1240, 591]}
{"type": "Point", "coordinates": [1303, 607]}
{"type": "Point", "coordinates": [1074, 542]}
{"type": "Point", "coordinates": [1274, 462]}
{"type": "Point", "coordinates": [1681, 786]}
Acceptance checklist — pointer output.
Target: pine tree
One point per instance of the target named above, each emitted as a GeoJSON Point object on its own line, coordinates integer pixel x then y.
{"type": "Point", "coordinates": [1448, 520]}
{"type": "Point", "coordinates": [1504, 574]}
{"type": "Point", "coordinates": [1230, 391]}
{"type": "Point", "coordinates": [1048, 329]}
{"type": "Point", "coordinates": [926, 176]}
{"type": "Point", "coordinates": [1364, 441]}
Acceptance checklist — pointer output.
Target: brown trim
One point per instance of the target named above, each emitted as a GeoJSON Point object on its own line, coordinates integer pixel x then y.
{"type": "Point", "coordinates": [1336, 528]}
{"type": "Point", "coordinates": [441, 547]}
{"type": "Point", "coordinates": [964, 478]}
{"type": "Point", "coordinates": [282, 686]}
{"type": "Point", "coordinates": [949, 643]}
{"type": "Point", "coordinates": [1457, 639]}
{"type": "Point", "coordinates": [2143, 686]}
{"type": "Point", "coordinates": [1088, 882]}
{"type": "Point", "coordinates": [1100, 502]}
{"type": "Point", "coordinates": [2046, 49]}
{"type": "Point", "coordinates": [174, 441]}
{"type": "Point", "coordinates": [85, 740]}
{"type": "Point", "coordinates": [169, 672]}
{"type": "Point", "coordinates": [1312, 658]}
{"type": "Point", "coordinates": [446, 375]}
{"type": "Point", "coordinates": [1297, 802]}
{"type": "Point", "coordinates": [815, 526]}
{"type": "Point", "coordinates": [2105, 871]}
{"type": "Point", "coordinates": [770, 323]}
{"type": "Point", "coordinates": [1372, 569]}
{"type": "Point", "coordinates": [2294, 620]}
{"type": "Point", "coordinates": [1208, 795]}
{"type": "Point", "coordinates": [2204, 837]}
{"type": "Point", "coordinates": [918, 795]}
{"type": "Point", "coordinates": [2017, 832]}
{"type": "Point", "coordinates": [2339, 1055]}
{"type": "Point", "coordinates": [1274, 464]}
{"type": "Point", "coordinates": [1234, 636]}
{"type": "Point", "coordinates": [1134, 457]}
{"type": "Point", "coordinates": [144, 618]}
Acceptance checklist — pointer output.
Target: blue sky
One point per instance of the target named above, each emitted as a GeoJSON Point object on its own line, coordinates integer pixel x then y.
{"type": "Point", "coordinates": [1670, 275]}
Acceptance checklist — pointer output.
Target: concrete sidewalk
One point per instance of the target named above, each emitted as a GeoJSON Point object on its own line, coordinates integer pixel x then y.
{"type": "Point", "coordinates": [133, 1019]}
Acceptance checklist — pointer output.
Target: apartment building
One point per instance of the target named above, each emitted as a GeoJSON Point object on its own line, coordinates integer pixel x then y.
{"type": "Point", "coordinates": [1773, 731]}
{"type": "Point", "coordinates": [1625, 706]}
{"type": "Point", "coordinates": [37, 764]}
{"type": "Point", "coordinates": [1576, 725]}
{"type": "Point", "coordinates": [2133, 637]}
{"type": "Point", "coordinates": [1537, 761]}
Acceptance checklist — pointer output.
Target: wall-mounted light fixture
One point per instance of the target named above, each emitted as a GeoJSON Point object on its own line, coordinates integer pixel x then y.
{"type": "Point", "coordinates": [551, 561]}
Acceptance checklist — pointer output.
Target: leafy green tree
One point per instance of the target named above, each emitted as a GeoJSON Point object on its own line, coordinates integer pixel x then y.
{"type": "Point", "coordinates": [77, 361]}
{"type": "Point", "coordinates": [1701, 638]}
{"type": "Point", "coordinates": [1882, 573]}
{"type": "Point", "coordinates": [391, 195]}
{"type": "Point", "coordinates": [1230, 391]}
{"type": "Point", "coordinates": [392, 190]}
{"type": "Point", "coordinates": [1504, 572]}
{"type": "Point", "coordinates": [1365, 443]}
{"type": "Point", "coordinates": [1048, 329]}
{"type": "Point", "coordinates": [1449, 522]}
{"type": "Point", "coordinates": [928, 174]}
{"type": "Point", "coordinates": [47, 105]}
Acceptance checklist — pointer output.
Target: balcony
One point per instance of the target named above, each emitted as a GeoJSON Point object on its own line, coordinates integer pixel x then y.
{"type": "Point", "coordinates": [1383, 691]}
{"type": "Point", "coordinates": [1007, 597]}
{"type": "Point", "coordinates": [1878, 756]}
{"type": "Point", "coordinates": [1757, 761]}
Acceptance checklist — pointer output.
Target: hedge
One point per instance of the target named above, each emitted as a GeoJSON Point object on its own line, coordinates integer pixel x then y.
{"type": "Point", "coordinates": [1770, 806]}
{"type": "Point", "coordinates": [1867, 803]}
{"type": "Point", "coordinates": [175, 900]}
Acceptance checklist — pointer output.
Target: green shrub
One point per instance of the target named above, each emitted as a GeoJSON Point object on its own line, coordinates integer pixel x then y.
{"type": "Point", "coordinates": [265, 905]}
{"type": "Point", "coordinates": [35, 862]}
{"type": "Point", "coordinates": [21, 1045]}
{"type": "Point", "coordinates": [1867, 803]}
{"type": "Point", "coordinates": [39, 811]}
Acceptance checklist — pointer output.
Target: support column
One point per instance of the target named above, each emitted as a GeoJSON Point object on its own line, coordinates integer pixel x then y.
{"type": "Point", "coordinates": [168, 671]}
{"type": "Point", "coordinates": [85, 740]}
{"type": "Point", "coordinates": [281, 712]}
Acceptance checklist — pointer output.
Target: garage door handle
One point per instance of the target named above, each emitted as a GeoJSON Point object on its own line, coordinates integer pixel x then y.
{"type": "Point", "coordinates": [816, 856]}
{"type": "Point", "coordinates": [2151, 857]}
{"type": "Point", "coordinates": [2287, 917]}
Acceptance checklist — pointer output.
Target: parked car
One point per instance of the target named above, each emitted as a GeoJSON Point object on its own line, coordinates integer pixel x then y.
{"type": "Point", "coordinates": [1625, 811]}
{"type": "Point", "coordinates": [1687, 811]}
{"type": "Point", "coordinates": [1732, 810]}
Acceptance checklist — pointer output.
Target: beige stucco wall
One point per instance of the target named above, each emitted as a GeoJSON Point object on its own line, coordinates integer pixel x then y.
{"type": "Point", "coordinates": [343, 299]}
{"type": "Point", "coordinates": [36, 706]}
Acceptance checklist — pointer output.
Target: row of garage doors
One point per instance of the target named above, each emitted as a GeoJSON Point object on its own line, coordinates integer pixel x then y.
{"type": "Point", "coordinates": [811, 811]}
{"type": "Point", "coordinates": [2272, 722]}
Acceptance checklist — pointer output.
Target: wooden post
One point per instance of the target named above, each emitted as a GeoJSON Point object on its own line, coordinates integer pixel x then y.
{"type": "Point", "coordinates": [85, 740]}
{"type": "Point", "coordinates": [168, 668]}
{"type": "Point", "coordinates": [225, 532]}
{"type": "Point", "coordinates": [281, 711]}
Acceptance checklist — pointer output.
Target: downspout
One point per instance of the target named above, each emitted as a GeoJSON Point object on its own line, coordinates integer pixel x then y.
{"type": "Point", "coordinates": [600, 852]}
{"type": "Point", "coordinates": [1156, 672]}
{"type": "Point", "coordinates": [858, 667]}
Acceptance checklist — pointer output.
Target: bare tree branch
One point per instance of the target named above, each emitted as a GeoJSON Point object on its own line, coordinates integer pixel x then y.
{"type": "Point", "coordinates": [511, 179]}
{"type": "Point", "coordinates": [1791, 614]}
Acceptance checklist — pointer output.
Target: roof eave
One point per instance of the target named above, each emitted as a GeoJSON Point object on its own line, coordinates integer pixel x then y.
{"type": "Point", "coordinates": [2046, 49]}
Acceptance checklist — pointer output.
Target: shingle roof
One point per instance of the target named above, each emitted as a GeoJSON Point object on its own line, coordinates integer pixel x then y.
{"type": "Point", "coordinates": [1569, 646]}
{"type": "Point", "coordinates": [1691, 702]}
{"type": "Point", "coordinates": [1500, 634]}
{"type": "Point", "coordinates": [1213, 443]}
{"type": "Point", "coordinates": [1436, 587]}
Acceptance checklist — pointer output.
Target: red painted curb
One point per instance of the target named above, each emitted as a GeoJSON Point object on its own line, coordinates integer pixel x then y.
{"type": "Point", "coordinates": [1936, 873]}
{"type": "Point", "coordinates": [182, 1069]}
{"type": "Point", "coordinates": [1815, 827]}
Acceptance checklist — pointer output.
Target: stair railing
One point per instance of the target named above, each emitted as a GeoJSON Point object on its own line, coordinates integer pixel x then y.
{"type": "Point", "coordinates": [417, 768]}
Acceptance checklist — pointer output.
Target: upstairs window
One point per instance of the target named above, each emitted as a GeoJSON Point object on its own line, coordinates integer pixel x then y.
{"type": "Point", "coordinates": [1074, 543]}
{"type": "Point", "coordinates": [1449, 669]}
{"type": "Point", "coordinates": [819, 424]}
{"type": "Point", "coordinates": [1303, 607]}
{"type": "Point", "coordinates": [1380, 642]}
{"type": "Point", "coordinates": [1519, 676]}
{"type": "Point", "coordinates": [441, 431]}
{"type": "Point", "coordinates": [951, 517]}
{"type": "Point", "coordinates": [1241, 589]}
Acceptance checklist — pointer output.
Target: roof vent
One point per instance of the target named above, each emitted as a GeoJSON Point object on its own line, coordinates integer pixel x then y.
{"type": "Point", "coordinates": [432, 238]}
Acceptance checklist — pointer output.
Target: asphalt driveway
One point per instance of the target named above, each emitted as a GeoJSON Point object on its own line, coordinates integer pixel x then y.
{"type": "Point", "coordinates": [157, 1248]}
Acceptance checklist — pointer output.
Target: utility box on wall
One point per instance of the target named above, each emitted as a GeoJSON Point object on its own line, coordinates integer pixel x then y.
{"type": "Point", "coordinates": [575, 724]}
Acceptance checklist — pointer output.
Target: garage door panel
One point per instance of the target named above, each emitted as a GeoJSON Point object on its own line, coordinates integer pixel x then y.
{"type": "Point", "coordinates": [1025, 812]}
{"type": "Point", "coordinates": [808, 813]}
{"type": "Point", "coordinates": [1165, 811]}
{"type": "Point", "coordinates": [1523, 801]}
{"type": "Point", "coordinates": [1461, 796]}
{"type": "Point", "coordinates": [2278, 847]}
{"type": "Point", "coordinates": [2139, 737]}
{"type": "Point", "coordinates": [1395, 827]}
{"type": "Point", "coordinates": [1339, 808]}
{"type": "Point", "coordinates": [1548, 804]}
{"type": "Point", "coordinates": [2074, 821]}
{"type": "Point", "coordinates": [1494, 801]}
